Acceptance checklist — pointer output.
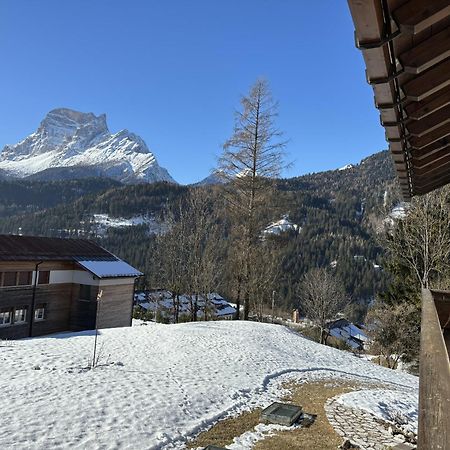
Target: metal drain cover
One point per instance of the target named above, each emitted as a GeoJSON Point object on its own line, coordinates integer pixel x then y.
{"type": "Point", "coordinates": [281, 413]}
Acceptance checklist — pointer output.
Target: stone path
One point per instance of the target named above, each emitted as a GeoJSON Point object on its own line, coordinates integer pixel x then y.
{"type": "Point", "coordinates": [360, 427]}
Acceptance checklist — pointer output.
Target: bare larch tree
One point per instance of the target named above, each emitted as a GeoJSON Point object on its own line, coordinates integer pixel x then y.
{"type": "Point", "coordinates": [251, 159]}
{"type": "Point", "coordinates": [172, 262]}
{"type": "Point", "coordinates": [322, 297]}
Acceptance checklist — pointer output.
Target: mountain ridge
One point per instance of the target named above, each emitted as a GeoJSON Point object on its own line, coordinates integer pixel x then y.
{"type": "Point", "coordinates": [69, 139]}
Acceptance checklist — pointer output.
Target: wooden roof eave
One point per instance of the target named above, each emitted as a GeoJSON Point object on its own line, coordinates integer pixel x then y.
{"type": "Point", "coordinates": [406, 48]}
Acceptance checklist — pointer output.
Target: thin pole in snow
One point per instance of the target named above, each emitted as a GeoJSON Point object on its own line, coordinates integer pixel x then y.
{"type": "Point", "coordinates": [273, 303]}
{"type": "Point", "coordinates": [99, 296]}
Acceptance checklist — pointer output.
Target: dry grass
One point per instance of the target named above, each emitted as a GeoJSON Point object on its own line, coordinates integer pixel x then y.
{"type": "Point", "coordinates": [223, 432]}
{"type": "Point", "coordinates": [311, 396]}
{"type": "Point", "coordinates": [320, 435]}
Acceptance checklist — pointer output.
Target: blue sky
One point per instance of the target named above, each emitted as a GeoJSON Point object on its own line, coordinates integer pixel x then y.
{"type": "Point", "coordinates": [173, 71]}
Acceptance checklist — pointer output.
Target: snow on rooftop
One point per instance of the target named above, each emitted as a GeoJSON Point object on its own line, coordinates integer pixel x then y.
{"type": "Point", "coordinates": [350, 333]}
{"type": "Point", "coordinates": [162, 301]}
{"type": "Point", "coordinates": [162, 384]}
{"type": "Point", "coordinates": [110, 269]}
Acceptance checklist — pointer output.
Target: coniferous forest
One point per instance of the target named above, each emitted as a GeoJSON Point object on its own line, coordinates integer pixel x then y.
{"type": "Point", "coordinates": [338, 213]}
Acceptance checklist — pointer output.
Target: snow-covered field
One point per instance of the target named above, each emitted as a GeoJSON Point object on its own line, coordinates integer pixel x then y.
{"type": "Point", "coordinates": [161, 384]}
{"type": "Point", "coordinates": [105, 221]}
{"type": "Point", "coordinates": [281, 226]}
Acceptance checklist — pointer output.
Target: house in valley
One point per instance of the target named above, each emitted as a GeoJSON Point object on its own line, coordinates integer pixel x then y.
{"type": "Point", "coordinates": [161, 302]}
{"type": "Point", "coordinates": [49, 285]}
{"type": "Point", "coordinates": [346, 331]}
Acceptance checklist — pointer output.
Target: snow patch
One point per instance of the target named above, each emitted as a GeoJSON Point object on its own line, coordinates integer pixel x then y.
{"type": "Point", "coordinates": [347, 166]}
{"type": "Point", "coordinates": [399, 211]}
{"type": "Point", "coordinates": [398, 408]}
{"type": "Point", "coordinates": [105, 221]}
{"type": "Point", "coordinates": [281, 226]}
{"type": "Point", "coordinates": [248, 439]}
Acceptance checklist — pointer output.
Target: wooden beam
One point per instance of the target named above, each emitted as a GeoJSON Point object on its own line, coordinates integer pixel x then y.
{"type": "Point", "coordinates": [430, 158]}
{"type": "Point", "coordinates": [430, 122]}
{"type": "Point", "coordinates": [430, 138]}
{"type": "Point", "coordinates": [368, 19]}
{"type": "Point", "coordinates": [432, 148]}
{"type": "Point", "coordinates": [436, 169]}
{"type": "Point", "coordinates": [417, 15]}
{"type": "Point", "coordinates": [423, 88]}
{"type": "Point", "coordinates": [429, 82]}
{"type": "Point", "coordinates": [418, 110]}
{"type": "Point", "coordinates": [427, 53]}
{"type": "Point", "coordinates": [423, 186]}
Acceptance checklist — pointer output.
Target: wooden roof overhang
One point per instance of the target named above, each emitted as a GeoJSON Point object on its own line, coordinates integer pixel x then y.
{"type": "Point", "coordinates": [406, 48]}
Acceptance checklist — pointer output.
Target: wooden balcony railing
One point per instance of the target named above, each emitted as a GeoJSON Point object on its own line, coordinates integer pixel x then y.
{"type": "Point", "coordinates": [434, 384]}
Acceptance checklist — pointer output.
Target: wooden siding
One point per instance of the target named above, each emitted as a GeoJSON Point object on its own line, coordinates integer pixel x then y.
{"type": "Point", "coordinates": [57, 300]}
{"type": "Point", "coordinates": [116, 306]}
{"type": "Point", "coordinates": [64, 310]}
{"type": "Point", "coordinates": [8, 266]}
{"type": "Point", "coordinates": [83, 312]}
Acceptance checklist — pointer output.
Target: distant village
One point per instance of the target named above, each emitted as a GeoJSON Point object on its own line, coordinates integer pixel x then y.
{"type": "Point", "coordinates": [161, 305]}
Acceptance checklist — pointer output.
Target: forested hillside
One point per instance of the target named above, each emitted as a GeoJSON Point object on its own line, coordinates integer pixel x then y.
{"type": "Point", "coordinates": [22, 196]}
{"type": "Point", "coordinates": [337, 212]}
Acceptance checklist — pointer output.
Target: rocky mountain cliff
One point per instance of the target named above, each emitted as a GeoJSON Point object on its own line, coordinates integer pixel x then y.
{"type": "Point", "coordinates": [69, 143]}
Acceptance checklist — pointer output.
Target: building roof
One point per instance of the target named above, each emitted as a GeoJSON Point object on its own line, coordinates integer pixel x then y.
{"type": "Point", "coordinates": [109, 269]}
{"type": "Point", "coordinates": [86, 253]}
{"type": "Point", "coordinates": [406, 48]}
{"type": "Point", "coordinates": [25, 248]}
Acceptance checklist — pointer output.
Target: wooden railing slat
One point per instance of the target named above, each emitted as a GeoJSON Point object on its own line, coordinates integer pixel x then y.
{"type": "Point", "coordinates": [434, 384]}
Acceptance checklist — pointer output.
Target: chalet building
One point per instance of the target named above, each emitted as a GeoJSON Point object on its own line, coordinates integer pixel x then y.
{"type": "Point", "coordinates": [346, 331]}
{"type": "Point", "coordinates": [49, 285]}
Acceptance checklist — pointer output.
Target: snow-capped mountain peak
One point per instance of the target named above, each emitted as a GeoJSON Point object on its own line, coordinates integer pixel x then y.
{"type": "Point", "coordinates": [68, 138]}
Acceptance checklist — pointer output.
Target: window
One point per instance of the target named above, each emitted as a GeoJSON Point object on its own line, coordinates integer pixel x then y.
{"type": "Point", "coordinates": [85, 292]}
{"type": "Point", "coordinates": [15, 278]}
{"type": "Point", "coordinates": [44, 277]}
{"type": "Point", "coordinates": [5, 317]}
{"type": "Point", "coordinates": [24, 278]}
{"type": "Point", "coordinates": [20, 315]}
{"type": "Point", "coordinates": [39, 313]}
{"type": "Point", "coordinates": [9, 278]}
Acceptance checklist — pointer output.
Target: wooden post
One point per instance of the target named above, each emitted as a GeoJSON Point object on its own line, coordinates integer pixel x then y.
{"type": "Point", "coordinates": [99, 296]}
